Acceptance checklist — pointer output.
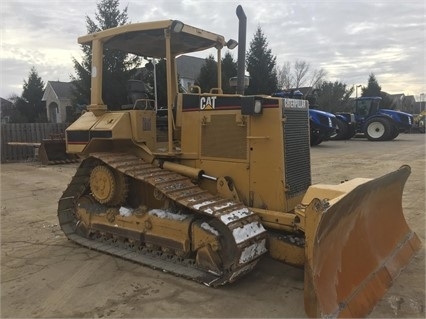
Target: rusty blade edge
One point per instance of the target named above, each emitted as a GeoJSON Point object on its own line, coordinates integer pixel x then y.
{"type": "Point", "coordinates": [362, 301]}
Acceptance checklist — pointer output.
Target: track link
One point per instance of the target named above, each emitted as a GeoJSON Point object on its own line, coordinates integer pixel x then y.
{"type": "Point", "coordinates": [241, 224]}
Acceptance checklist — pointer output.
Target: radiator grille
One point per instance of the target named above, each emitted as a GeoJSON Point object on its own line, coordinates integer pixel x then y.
{"type": "Point", "coordinates": [223, 137]}
{"type": "Point", "coordinates": [297, 159]}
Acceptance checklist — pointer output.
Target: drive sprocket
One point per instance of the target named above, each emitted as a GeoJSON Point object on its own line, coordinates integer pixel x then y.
{"type": "Point", "coordinates": [107, 186]}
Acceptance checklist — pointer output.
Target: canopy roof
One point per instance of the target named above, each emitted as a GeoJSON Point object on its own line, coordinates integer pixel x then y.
{"type": "Point", "coordinates": [148, 39]}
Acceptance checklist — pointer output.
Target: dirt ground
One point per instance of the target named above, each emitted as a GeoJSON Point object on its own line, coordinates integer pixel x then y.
{"type": "Point", "coordinates": [45, 275]}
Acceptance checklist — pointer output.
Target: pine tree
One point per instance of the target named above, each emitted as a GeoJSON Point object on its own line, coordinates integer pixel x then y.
{"type": "Point", "coordinates": [373, 88]}
{"type": "Point", "coordinates": [334, 97]}
{"type": "Point", "coordinates": [207, 78]}
{"type": "Point", "coordinates": [33, 91]}
{"type": "Point", "coordinates": [30, 108]}
{"type": "Point", "coordinates": [261, 65]}
{"type": "Point", "coordinates": [229, 70]}
{"type": "Point", "coordinates": [118, 67]}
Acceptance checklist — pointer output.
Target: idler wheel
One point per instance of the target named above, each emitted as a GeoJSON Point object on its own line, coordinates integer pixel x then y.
{"type": "Point", "coordinates": [108, 187]}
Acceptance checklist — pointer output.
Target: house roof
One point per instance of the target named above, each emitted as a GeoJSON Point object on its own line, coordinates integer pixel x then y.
{"type": "Point", "coordinates": [5, 104]}
{"type": "Point", "coordinates": [397, 96]}
{"type": "Point", "coordinates": [189, 66]}
{"type": "Point", "coordinates": [410, 98]}
{"type": "Point", "coordinates": [63, 90]}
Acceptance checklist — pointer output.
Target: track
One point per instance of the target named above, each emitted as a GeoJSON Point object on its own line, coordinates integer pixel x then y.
{"type": "Point", "coordinates": [239, 224]}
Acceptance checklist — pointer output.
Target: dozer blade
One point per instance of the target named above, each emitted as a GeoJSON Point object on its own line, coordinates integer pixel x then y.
{"type": "Point", "coordinates": [53, 151]}
{"type": "Point", "coordinates": [356, 244]}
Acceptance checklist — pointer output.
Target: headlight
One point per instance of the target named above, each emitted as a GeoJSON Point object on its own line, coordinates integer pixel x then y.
{"type": "Point", "coordinates": [257, 107]}
{"type": "Point", "coordinates": [251, 106]}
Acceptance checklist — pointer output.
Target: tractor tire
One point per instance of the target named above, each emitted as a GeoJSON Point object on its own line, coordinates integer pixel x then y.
{"type": "Point", "coordinates": [342, 130]}
{"type": "Point", "coordinates": [394, 132]}
{"type": "Point", "coordinates": [352, 132]}
{"type": "Point", "coordinates": [315, 140]}
{"type": "Point", "coordinates": [378, 129]}
{"type": "Point", "coordinates": [422, 125]}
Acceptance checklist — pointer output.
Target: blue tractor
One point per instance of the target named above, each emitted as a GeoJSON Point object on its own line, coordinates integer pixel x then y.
{"type": "Point", "coordinates": [322, 124]}
{"type": "Point", "coordinates": [371, 121]}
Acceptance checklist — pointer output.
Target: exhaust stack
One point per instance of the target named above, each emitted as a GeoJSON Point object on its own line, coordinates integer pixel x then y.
{"type": "Point", "coordinates": [242, 28]}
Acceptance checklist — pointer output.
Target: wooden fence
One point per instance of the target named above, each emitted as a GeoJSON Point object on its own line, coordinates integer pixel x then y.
{"type": "Point", "coordinates": [27, 133]}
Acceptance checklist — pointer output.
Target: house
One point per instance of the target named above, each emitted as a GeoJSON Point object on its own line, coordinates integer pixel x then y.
{"type": "Point", "coordinates": [402, 102]}
{"type": "Point", "coordinates": [396, 101]}
{"type": "Point", "coordinates": [6, 110]}
{"type": "Point", "coordinates": [188, 68]}
{"type": "Point", "coordinates": [409, 104]}
{"type": "Point", "coordinates": [419, 107]}
{"type": "Point", "coordinates": [58, 97]}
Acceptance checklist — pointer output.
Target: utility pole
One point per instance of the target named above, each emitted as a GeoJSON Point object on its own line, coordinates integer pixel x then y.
{"type": "Point", "coordinates": [356, 90]}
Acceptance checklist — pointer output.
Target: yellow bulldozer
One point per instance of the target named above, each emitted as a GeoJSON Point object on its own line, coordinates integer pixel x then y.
{"type": "Point", "coordinates": [420, 122]}
{"type": "Point", "coordinates": [208, 187]}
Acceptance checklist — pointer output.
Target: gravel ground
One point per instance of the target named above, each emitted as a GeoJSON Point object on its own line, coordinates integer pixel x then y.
{"type": "Point", "coordinates": [45, 275]}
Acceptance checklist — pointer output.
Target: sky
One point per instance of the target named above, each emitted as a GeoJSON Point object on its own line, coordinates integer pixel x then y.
{"type": "Point", "coordinates": [349, 39]}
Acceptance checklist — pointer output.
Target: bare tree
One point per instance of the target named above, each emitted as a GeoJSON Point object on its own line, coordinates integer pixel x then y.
{"type": "Point", "coordinates": [301, 69]}
{"type": "Point", "coordinates": [317, 77]}
{"type": "Point", "coordinates": [299, 75]}
{"type": "Point", "coordinates": [284, 76]}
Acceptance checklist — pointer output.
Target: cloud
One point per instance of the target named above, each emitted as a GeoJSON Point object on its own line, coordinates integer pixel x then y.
{"type": "Point", "coordinates": [349, 39]}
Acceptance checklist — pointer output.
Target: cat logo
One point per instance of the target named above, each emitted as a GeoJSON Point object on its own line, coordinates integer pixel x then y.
{"type": "Point", "coordinates": [208, 102]}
